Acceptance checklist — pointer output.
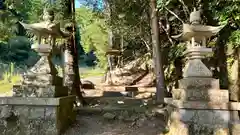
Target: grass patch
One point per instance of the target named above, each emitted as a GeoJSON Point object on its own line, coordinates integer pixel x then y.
{"type": "Point", "coordinates": [7, 83]}
{"type": "Point", "coordinates": [5, 87]}
{"type": "Point", "coordinates": [91, 72]}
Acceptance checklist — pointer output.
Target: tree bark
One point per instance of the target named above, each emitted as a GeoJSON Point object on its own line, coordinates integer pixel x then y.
{"type": "Point", "coordinates": [157, 52]}
{"type": "Point", "coordinates": [235, 76]}
{"type": "Point", "coordinates": [238, 80]}
{"type": "Point", "coordinates": [71, 70]}
{"type": "Point", "coordinates": [110, 58]}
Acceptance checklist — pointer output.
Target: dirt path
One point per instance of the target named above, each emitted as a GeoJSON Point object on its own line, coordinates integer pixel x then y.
{"type": "Point", "coordinates": [97, 125]}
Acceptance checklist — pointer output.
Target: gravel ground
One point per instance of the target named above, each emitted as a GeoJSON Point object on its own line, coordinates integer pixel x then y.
{"type": "Point", "coordinates": [97, 125]}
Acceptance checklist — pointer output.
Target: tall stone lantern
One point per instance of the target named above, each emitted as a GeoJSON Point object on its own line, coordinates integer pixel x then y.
{"type": "Point", "coordinates": [196, 35]}
{"type": "Point", "coordinates": [46, 33]}
{"type": "Point", "coordinates": [201, 107]}
{"type": "Point", "coordinates": [41, 104]}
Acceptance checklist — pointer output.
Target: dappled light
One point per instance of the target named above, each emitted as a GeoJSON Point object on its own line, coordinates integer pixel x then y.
{"type": "Point", "coordinates": [119, 67]}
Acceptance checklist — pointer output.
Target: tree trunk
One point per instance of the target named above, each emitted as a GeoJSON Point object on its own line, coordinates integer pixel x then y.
{"type": "Point", "coordinates": [110, 43]}
{"type": "Point", "coordinates": [71, 70]}
{"type": "Point", "coordinates": [157, 52]}
{"type": "Point", "coordinates": [235, 76]}
{"type": "Point", "coordinates": [238, 80]}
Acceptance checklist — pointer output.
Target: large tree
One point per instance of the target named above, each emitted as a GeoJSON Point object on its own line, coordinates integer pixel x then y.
{"type": "Point", "coordinates": [71, 69]}
{"type": "Point", "coordinates": [157, 52]}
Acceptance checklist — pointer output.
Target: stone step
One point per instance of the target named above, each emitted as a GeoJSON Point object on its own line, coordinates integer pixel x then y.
{"type": "Point", "coordinates": [120, 108]}
{"type": "Point", "coordinates": [199, 83]}
{"type": "Point", "coordinates": [210, 95]}
{"type": "Point", "coordinates": [44, 91]}
{"type": "Point", "coordinates": [112, 109]}
{"type": "Point", "coordinates": [100, 93]}
{"type": "Point", "coordinates": [118, 101]}
{"type": "Point", "coordinates": [125, 88]}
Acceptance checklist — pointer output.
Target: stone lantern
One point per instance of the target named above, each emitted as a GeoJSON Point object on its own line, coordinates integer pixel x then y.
{"type": "Point", "coordinates": [41, 104]}
{"type": "Point", "coordinates": [196, 35]}
{"type": "Point", "coordinates": [46, 32]}
{"type": "Point", "coordinates": [201, 107]}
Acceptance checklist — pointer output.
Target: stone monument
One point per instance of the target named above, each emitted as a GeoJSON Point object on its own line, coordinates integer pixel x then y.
{"type": "Point", "coordinates": [201, 106]}
{"type": "Point", "coordinates": [41, 104]}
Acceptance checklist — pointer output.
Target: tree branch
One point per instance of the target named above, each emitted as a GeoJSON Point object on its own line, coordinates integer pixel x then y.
{"type": "Point", "coordinates": [147, 45]}
{"type": "Point", "coordinates": [167, 31]}
{"type": "Point", "coordinates": [174, 14]}
{"type": "Point", "coordinates": [185, 8]}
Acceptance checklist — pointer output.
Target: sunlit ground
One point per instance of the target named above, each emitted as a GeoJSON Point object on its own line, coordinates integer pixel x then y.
{"type": "Point", "coordinates": [91, 72]}
{"type": "Point", "coordinates": [7, 83]}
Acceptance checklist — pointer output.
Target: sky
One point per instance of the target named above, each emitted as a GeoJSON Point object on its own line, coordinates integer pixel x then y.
{"type": "Point", "coordinates": [78, 3]}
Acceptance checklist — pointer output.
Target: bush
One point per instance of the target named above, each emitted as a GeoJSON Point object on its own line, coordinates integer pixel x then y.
{"type": "Point", "coordinates": [18, 50]}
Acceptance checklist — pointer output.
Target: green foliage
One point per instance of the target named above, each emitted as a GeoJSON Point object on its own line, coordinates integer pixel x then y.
{"type": "Point", "coordinates": [226, 10]}
{"type": "Point", "coordinates": [35, 9]}
{"type": "Point", "coordinates": [7, 26]}
{"type": "Point", "coordinates": [8, 73]}
{"type": "Point", "coordinates": [78, 41]}
{"type": "Point", "coordinates": [63, 9]}
{"type": "Point", "coordinates": [93, 33]}
{"type": "Point", "coordinates": [17, 50]}
{"type": "Point", "coordinates": [9, 77]}
{"type": "Point", "coordinates": [20, 10]}
{"type": "Point", "coordinates": [234, 40]}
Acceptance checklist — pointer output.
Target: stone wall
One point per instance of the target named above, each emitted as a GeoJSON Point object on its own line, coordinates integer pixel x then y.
{"type": "Point", "coordinates": [36, 116]}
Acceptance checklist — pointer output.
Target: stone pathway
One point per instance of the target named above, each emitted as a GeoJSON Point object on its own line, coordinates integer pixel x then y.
{"type": "Point", "coordinates": [97, 125]}
{"type": "Point", "coordinates": [107, 116]}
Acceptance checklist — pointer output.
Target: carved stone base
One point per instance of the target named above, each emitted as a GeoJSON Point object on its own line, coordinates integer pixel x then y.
{"type": "Point", "coordinates": [41, 81]}
{"type": "Point", "coordinates": [210, 95]}
{"type": "Point", "coordinates": [36, 116]}
{"type": "Point", "coordinates": [196, 68]}
{"type": "Point", "coordinates": [43, 66]}
{"type": "Point", "coordinates": [204, 118]}
{"type": "Point", "coordinates": [44, 79]}
{"type": "Point", "coordinates": [201, 108]}
{"type": "Point", "coordinates": [42, 73]}
{"type": "Point", "coordinates": [199, 83]}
